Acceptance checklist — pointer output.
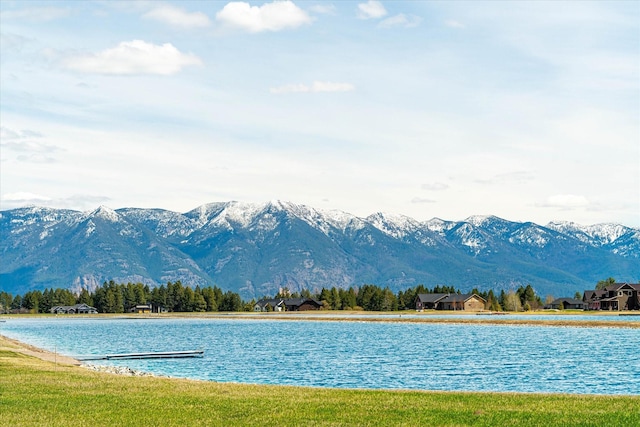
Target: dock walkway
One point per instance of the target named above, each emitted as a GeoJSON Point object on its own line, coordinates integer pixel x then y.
{"type": "Point", "coordinates": [148, 355]}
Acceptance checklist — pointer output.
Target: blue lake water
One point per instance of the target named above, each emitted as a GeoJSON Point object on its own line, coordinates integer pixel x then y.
{"type": "Point", "coordinates": [359, 354]}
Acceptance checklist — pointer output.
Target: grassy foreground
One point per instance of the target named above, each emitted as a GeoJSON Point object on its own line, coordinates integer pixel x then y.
{"type": "Point", "coordinates": [35, 392]}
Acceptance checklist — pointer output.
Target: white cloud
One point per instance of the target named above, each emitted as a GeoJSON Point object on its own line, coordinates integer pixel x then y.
{"type": "Point", "coordinates": [177, 17]}
{"type": "Point", "coordinates": [134, 57]}
{"type": "Point", "coordinates": [565, 201]}
{"type": "Point", "coordinates": [401, 20]}
{"type": "Point", "coordinates": [7, 134]}
{"type": "Point", "coordinates": [371, 10]}
{"type": "Point", "coordinates": [454, 24]}
{"type": "Point", "coordinates": [316, 86]}
{"type": "Point", "coordinates": [327, 9]}
{"type": "Point", "coordinates": [26, 149]}
{"type": "Point", "coordinates": [275, 16]}
{"type": "Point", "coordinates": [331, 87]}
{"type": "Point", "coordinates": [24, 197]}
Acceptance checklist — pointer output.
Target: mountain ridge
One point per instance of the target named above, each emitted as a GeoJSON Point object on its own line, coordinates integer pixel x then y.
{"type": "Point", "coordinates": [256, 248]}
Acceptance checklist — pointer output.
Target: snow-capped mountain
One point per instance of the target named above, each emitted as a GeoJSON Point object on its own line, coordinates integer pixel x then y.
{"type": "Point", "coordinates": [254, 249]}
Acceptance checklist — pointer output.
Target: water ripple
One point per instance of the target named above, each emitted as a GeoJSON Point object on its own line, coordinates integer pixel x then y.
{"type": "Point", "coordinates": [360, 354]}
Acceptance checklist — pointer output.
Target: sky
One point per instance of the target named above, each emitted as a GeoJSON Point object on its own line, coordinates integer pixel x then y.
{"type": "Point", "coordinates": [529, 111]}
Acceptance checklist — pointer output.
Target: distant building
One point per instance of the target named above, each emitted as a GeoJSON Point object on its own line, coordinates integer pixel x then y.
{"type": "Point", "coordinates": [566, 304]}
{"type": "Point", "coordinates": [270, 304]}
{"type": "Point", "coordinates": [465, 302]}
{"type": "Point", "coordinates": [302, 304]}
{"type": "Point", "coordinates": [429, 301]}
{"type": "Point", "coordinates": [616, 297]}
{"type": "Point", "coordinates": [287, 304]}
{"type": "Point", "coordinates": [74, 309]}
{"type": "Point", "coordinates": [141, 308]}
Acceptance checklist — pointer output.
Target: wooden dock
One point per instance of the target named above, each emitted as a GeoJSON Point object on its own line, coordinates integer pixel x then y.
{"type": "Point", "coordinates": [149, 355]}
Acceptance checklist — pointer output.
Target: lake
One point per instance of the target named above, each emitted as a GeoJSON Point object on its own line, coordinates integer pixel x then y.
{"type": "Point", "coordinates": [358, 354]}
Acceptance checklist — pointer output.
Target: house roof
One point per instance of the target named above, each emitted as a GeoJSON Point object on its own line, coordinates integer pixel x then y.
{"type": "Point", "coordinates": [618, 286]}
{"type": "Point", "coordinates": [73, 307]}
{"type": "Point", "coordinates": [571, 301]}
{"type": "Point", "coordinates": [273, 302]}
{"type": "Point", "coordinates": [461, 297]}
{"type": "Point", "coordinates": [592, 295]}
{"type": "Point", "coordinates": [297, 302]}
{"type": "Point", "coordinates": [433, 298]}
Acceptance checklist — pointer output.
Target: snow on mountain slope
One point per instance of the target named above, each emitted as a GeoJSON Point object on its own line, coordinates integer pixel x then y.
{"type": "Point", "coordinates": [255, 247]}
{"type": "Point", "coordinates": [597, 234]}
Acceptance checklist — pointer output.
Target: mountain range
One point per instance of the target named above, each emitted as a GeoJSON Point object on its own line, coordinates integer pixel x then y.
{"type": "Point", "coordinates": [255, 249]}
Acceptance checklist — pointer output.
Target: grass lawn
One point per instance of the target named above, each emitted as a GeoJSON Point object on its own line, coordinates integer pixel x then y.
{"type": "Point", "coordinates": [35, 392]}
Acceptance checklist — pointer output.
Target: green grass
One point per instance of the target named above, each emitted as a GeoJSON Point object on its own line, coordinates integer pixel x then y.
{"type": "Point", "coordinates": [34, 392]}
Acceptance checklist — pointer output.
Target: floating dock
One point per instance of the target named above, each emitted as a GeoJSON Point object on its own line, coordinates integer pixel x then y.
{"type": "Point", "coordinates": [151, 355]}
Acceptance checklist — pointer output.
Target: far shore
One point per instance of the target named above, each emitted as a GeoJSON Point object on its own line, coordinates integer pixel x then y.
{"type": "Point", "coordinates": [408, 316]}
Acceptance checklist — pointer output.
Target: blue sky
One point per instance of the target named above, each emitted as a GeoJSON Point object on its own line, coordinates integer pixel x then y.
{"type": "Point", "coordinates": [525, 110]}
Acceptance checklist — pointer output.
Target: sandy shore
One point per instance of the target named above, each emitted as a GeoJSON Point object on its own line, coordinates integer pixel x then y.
{"type": "Point", "coordinates": [19, 347]}
{"type": "Point", "coordinates": [10, 344]}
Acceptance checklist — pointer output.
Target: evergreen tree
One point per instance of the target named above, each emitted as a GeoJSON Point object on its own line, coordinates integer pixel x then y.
{"type": "Point", "coordinates": [16, 304]}
{"type": "Point", "coordinates": [130, 300]}
{"type": "Point", "coordinates": [326, 297]}
{"type": "Point", "coordinates": [110, 301]}
{"type": "Point", "coordinates": [604, 283]}
{"type": "Point", "coordinates": [199, 303]}
{"type": "Point", "coordinates": [231, 302]}
{"type": "Point", "coordinates": [389, 301]}
{"type": "Point", "coordinates": [336, 301]}
{"type": "Point", "coordinates": [85, 298]}
{"type": "Point", "coordinates": [210, 299]}
{"type": "Point", "coordinates": [31, 301]}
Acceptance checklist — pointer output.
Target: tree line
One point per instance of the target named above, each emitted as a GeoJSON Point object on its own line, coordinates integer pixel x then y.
{"type": "Point", "coordinates": [114, 297]}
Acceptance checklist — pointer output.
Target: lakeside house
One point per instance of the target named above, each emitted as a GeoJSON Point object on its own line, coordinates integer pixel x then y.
{"type": "Point", "coordinates": [615, 297]}
{"type": "Point", "coordinates": [270, 304]}
{"type": "Point", "coordinates": [141, 308]}
{"type": "Point", "coordinates": [287, 304]}
{"type": "Point", "coordinates": [464, 302]}
{"type": "Point", "coordinates": [566, 304]}
{"type": "Point", "coordinates": [74, 309]}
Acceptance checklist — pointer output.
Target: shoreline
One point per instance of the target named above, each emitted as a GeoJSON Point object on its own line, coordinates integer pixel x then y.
{"type": "Point", "coordinates": [470, 320]}
{"type": "Point", "coordinates": [21, 347]}
{"type": "Point", "coordinates": [40, 353]}
{"type": "Point", "coordinates": [428, 317]}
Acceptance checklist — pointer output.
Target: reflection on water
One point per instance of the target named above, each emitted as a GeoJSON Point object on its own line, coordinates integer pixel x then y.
{"type": "Point", "coordinates": [359, 354]}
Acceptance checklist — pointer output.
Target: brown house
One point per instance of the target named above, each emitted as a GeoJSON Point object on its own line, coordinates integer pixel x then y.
{"type": "Point", "coordinates": [429, 301]}
{"type": "Point", "coordinates": [616, 297]}
{"type": "Point", "coordinates": [466, 302]}
{"type": "Point", "coordinates": [141, 308]}
{"type": "Point", "coordinates": [566, 304]}
{"type": "Point", "coordinates": [302, 304]}
{"type": "Point", "coordinates": [287, 304]}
